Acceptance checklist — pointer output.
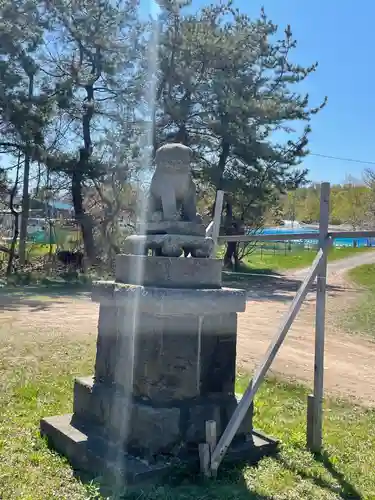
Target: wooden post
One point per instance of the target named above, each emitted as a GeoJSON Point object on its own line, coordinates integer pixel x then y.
{"type": "Point", "coordinates": [211, 436]}
{"type": "Point", "coordinates": [217, 220]}
{"type": "Point", "coordinates": [315, 401]}
{"type": "Point", "coordinates": [204, 458]}
{"type": "Point", "coordinates": [205, 449]}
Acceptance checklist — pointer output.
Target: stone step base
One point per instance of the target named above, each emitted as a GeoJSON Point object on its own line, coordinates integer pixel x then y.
{"type": "Point", "coordinates": [88, 451]}
{"type": "Point", "coordinates": [152, 430]}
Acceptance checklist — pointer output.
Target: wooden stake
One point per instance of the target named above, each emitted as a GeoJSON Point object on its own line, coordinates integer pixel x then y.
{"type": "Point", "coordinates": [204, 458]}
{"type": "Point", "coordinates": [211, 436]}
{"type": "Point", "coordinates": [315, 405]}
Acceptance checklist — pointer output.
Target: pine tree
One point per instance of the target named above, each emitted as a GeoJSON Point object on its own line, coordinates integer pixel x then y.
{"type": "Point", "coordinates": [226, 88]}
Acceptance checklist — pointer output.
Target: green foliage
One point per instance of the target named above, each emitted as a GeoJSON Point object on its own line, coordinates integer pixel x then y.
{"type": "Point", "coordinates": [23, 118]}
{"type": "Point", "coordinates": [226, 86]}
{"type": "Point", "coordinates": [81, 87]}
{"type": "Point", "coordinates": [349, 204]}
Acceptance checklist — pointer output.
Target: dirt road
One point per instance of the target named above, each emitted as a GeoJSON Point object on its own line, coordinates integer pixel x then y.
{"type": "Point", "coordinates": [343, 265]}
{"type": "Point", "coordinates": [349, 361]}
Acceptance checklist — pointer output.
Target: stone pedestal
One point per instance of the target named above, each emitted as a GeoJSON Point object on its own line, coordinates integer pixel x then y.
{"type": "Point", "coordinates": [165, 364]}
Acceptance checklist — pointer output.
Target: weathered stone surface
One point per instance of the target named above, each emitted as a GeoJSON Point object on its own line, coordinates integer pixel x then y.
{"type": "Point", "coordinates": [138, 425]}
{"type": "Point", "coordinates": [88, 450]}
{"type": "Point", "coordinates": [170, 245]}
{"type": "Point", "coordinates": [169, 301]}
{"type": "Point", "coordinates": [196, 423]}
{"type": "Point", "coordinates": [130, 423]}
{"type": "Point", "coordinates": [172, 227]}
{"type": "Point", "coordinates": [168, 272]}
{"type": "Point", "coordinates": [115, 346]}
{"type": "Point", "coordinates": [218, 356]}
{"type": "Point", "coordinates": [172, 190]}
{"type": "Point", "coordinates": [160, 369]}
{"type": "Point", "coordinates": [165, 372]}
{"type": "Point", "coordinates": [154, 430]}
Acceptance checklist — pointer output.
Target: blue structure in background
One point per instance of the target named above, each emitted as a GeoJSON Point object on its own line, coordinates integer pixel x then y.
{"type": "Point", "coordinates": [339, 242]}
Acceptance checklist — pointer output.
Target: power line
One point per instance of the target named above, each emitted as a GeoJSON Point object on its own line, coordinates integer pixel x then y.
{"type": "Point", "coordinates": [343, 159]}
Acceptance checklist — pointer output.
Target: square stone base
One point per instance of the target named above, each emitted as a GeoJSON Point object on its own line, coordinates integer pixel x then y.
{"type": "Point", "coordinates": [147, 429]}
{"type": "Point", "coordinates": [89, 451]}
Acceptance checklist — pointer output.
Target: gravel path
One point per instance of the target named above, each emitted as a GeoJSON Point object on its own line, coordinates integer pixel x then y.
{"type": "Point", "coordinates": [343, 265]}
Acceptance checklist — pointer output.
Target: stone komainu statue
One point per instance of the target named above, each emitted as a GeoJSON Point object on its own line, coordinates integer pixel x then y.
{"type": "Point", "coordinates": [172, 191]}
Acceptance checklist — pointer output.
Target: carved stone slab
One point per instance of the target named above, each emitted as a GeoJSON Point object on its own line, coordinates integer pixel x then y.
{"type": "Point", "coordinates": [169, 301]}
{"type": "Point", "coordinates": [169, 245]}
{"type": "Point", "coordinates": [172, 227]}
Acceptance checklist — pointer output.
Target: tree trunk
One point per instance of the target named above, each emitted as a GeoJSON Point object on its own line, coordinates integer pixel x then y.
{"type": "Point", "coordinates": [82, 218]}
{"type": "Point", "coordinates": [230, 254]}
{"type": "Point", "coordinates": [25, 192]}
{"type": "Point", "coordinates": [25, 211]}
{"type": "Point", "coordinates": [12, 251]}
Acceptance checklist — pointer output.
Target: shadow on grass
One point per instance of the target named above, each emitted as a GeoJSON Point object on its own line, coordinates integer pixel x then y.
{"type": "Point", "coordinates": [40, 297]}
{"type": "Point", "coordinates": [344, 490]}
{"type": "Point", "coordinates": [184, 484]}
{"type": "Point", "coordinates": [348, 490]}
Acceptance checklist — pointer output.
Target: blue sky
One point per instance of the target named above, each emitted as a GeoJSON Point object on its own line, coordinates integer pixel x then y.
{"type": "Point", "coordinates": [339, 35]}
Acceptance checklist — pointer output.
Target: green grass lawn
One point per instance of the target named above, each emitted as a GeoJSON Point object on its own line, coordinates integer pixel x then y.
{"type": "Point", "coordinates": [361, 317]}
{"type": "Point", "coordinates": [36, 380]}
{"type": "Point", "coordinates": [279, 261]}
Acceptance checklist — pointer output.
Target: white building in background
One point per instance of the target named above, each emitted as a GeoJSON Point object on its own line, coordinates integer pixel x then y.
{"type": "Point", "coordinates": [291, 224]}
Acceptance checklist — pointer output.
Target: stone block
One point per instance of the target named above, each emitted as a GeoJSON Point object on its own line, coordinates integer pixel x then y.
{"type": "Point", "coordinates": [136, 300]}
{"type": "Point", "coordinates": [154, 430]}
{"type": "Point", "coordinates": [172, 227]}
{"type": "Point", "coordinates": [82, 397]}
{"type": "Point", "coordinates": [114, 347]}
{"type": "Point", "coordinates": [196, 422]}
{"type": "Point", "coordinates": [163, 371]}
{"type": "Point", "coordinates": [152, 365]}
{"type": "Point", "coordinates": [130, 423]}
{"type": "Point", "coordinates": [168, 272]}
{"type": "Point", "coordinates": [88, 450]}
{"type": "Point", "coordinates": [218, 354]}
{"type": "Point", "coordinates": [139, 424]}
